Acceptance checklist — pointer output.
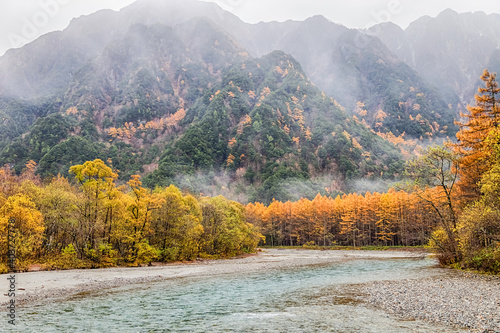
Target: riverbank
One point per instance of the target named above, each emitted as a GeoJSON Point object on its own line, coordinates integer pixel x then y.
{"type": "Point", "coordinates": [458, 298]}
{"type": "Point", "coordinates": [41, 285]}
{"type": "Point", "coordinates": [444, 296]}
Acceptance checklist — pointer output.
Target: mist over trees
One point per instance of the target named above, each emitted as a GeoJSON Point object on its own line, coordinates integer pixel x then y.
{"type": "Point", "coordinates": [170, 126]}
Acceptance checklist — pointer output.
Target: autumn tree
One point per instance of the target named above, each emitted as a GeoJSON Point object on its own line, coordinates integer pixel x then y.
{"type": "Point", "coordinates": [474, 148]}
{"type": "Point", "coordinates": [226, 232]}
{"type": "Point", "coordinates": [479, 225]}
{"type": "Point", "coordinates": [28, 227]}
{"type": "Point", "coordinates": [130, 234]}
{"type": "Point", "coordinates": [323, 207]}
{"type": "Point", "coordinates": [58, 205]}
{"type": "Point", "coordinates": [387, 218]}
{"type": "Point", "coordinates": [348, 224]}
{"type": "Point", "coordinates": [433, 176]}
{"type": "Point", "coordinates": [176, 225]}
{"type": "Point", "coordinates": [96, 206]}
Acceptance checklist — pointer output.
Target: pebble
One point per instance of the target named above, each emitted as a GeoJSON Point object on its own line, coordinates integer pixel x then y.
{"type": "Point", "coordinates": [462, 299]}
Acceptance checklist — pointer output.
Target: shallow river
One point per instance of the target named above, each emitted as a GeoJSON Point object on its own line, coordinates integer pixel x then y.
{"type": "Point", "coordinates": [319, 298]}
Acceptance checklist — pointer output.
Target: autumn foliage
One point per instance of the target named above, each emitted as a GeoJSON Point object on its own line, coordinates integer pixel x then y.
{"type": "Point", "coordinates": [93, 222]}
{"type": "Point", "coordinates": [392, 218]}
{"type": "Point", "coordinates": [478, 134]}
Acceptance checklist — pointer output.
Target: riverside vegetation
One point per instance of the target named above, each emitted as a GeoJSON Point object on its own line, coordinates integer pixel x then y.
{"type": "Point", "coordinates": [95, 223]}
{"type": "Point", "coordinates": [179, 98]}
{"type": "Point", "coordinates": [451, 201]}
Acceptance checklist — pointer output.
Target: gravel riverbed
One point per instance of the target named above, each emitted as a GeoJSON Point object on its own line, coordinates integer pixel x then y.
{"type": "Point", "coordinates": [446, 297]}
{"type": "Point", "coordinates": [47, 285]}
{"type": "Point", "coordinates": [458, 298]}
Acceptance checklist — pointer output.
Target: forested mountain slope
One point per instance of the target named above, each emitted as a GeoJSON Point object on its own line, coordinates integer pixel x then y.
{"type": "Point", "coordinates": [183, 92]}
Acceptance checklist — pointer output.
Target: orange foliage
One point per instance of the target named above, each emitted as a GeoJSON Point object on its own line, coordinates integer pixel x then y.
{"type": "Point", "coordinates": [232, 142]}
{"type": "Point", "coordinates": [128, 130]}
{"type": "Point", "coordinates": [479, 132]}
{"type": "Point", "coordinates": [244, 122]}
{"type": "Point", "coordinates": [392, 218]}
{"type": "Point", "coordinates": [72, 110]}
{"type": "Point", "coordinates": [230, 159]}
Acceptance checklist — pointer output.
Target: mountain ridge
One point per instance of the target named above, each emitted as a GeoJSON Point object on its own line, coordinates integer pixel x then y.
{"type": "Point", "coordinates": [169, 94]}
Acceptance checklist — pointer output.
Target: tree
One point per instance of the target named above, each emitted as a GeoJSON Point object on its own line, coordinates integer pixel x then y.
{"type": "Point", "coordinates": [28, 227]}
{"type": "Point", "coordinates": [99, 199]}
{"type": "Point", "coordinates": [176, 225]}
{"type": "Point", "coordinates": [131, 234]}
{"type": "Point", "coordinates": [387, 218]}
{"type": "Point", "coordinates": [479, 225]}
{"type": "Point", "coordinates": [348, 224]}
{"type": "Point", "coordinates": [433, 176]}
{"type": "Point", "coordinates": [226, 232]}
{"type": "Point", "coordinates": [481, 121]}
{"type": "Point", "coordinates": [58, 204]}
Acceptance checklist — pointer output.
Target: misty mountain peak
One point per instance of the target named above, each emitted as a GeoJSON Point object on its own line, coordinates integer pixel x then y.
{"type": "Point", "coordinates": [448, 13]}
{"type": "Point", "coordinates": [318, 19]}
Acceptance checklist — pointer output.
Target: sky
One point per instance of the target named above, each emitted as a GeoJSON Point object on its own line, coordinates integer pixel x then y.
{"type": "Point", "coordinates": [22, 21]}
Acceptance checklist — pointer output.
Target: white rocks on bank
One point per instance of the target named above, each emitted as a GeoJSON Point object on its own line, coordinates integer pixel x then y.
{"type": "Point", "coordinates": [461, 299]}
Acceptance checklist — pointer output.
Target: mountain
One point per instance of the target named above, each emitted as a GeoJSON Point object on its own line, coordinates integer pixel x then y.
{"type": "Point", "coordinates": [354, 67]}
{"type": "Point", "coordinates": [346, 64]}
{"type": "Point", "coordinates": [450, 51]}
{"type": "Point", "coordinates": [183, 92]}
{"type": "Point", "coordinates": [273, 128]}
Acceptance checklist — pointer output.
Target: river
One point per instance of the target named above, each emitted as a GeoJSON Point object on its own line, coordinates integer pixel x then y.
{"type": "Point", "coordinates": [314, 298]}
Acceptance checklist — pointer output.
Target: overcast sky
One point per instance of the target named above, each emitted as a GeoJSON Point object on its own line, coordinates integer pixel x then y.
{"type": "Point", "coordinates": [24, 20]}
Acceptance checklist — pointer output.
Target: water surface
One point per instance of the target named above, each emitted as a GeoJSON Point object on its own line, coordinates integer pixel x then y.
{"type": "Point", "coordinates": [320, 298]}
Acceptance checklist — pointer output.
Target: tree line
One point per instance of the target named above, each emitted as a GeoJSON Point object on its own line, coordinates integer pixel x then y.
{"type": "Point", "coordinates": [395, 218]}
{"type": "Point", "coordinates": [93, 222]}
{"type": "Point", "coordinates": [450, 199]}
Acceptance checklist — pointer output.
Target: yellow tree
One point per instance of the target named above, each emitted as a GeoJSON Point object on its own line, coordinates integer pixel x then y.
{"type": "Point", "coordinates": [134, 225]}
{"type": "Point", "coordinates": [272, 223]}
{"type": "Point", "coordinates": [58, 204]}
{"type": "Point", "coordinates": [28, 227]}
{"type": "Point", "coordinates": [176, 225]}
{"type": "Point", "coordinates": [97, 182]}
{"type": "Point", "coordinates": [304, 218]}
{"type": "Point", "coordinates": [349, 220]}
{"type": "Point", "coordinates": [323, 206]}
{"type": "Point", "coordinates": [225, 230]}
{"type": "Point", "coordinates": [387, 213]}
{"type": "Point", "coordinates": [434, 175]}
{"type": "Point", "coordinates": [371, 206]}
{"type": "Point", "coordinates": [254, 213]}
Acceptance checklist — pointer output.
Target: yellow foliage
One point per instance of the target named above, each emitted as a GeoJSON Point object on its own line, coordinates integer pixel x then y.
{"type": "Point", "coordinates": [230, 159]}
{"type": "Point", "coordinates": [28, 226]}
{"type": "Point", "coordinates": [347, 135]}
{"type": "Point", "coordinates": [72, 110]}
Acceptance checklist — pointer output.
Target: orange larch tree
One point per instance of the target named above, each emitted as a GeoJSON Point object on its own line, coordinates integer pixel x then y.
{"type": "Point", "coordinates": [480, 123]}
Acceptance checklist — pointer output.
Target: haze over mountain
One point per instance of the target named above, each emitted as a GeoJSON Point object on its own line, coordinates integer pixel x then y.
{"type": "Point", "coordinates": [184, 92]}
{"type": "Point", "coordinates": [450, 51]}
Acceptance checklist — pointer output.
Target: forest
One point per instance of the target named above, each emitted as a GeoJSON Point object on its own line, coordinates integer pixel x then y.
{"type": "Point", "coordinates": [448, 199]}
{"type": "Point", "coordinates": [92, 222]}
